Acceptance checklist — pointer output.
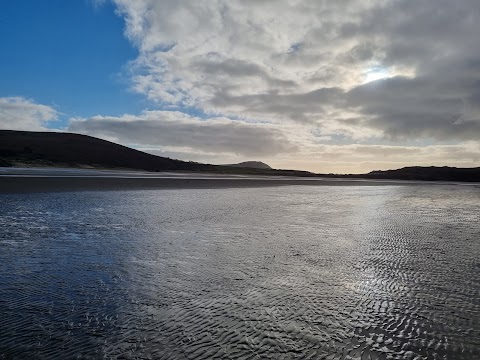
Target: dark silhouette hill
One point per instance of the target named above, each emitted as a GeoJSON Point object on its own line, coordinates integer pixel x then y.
{"type": "Point", "coordinates": [251, 165]}
{"type": "Point", "coordinates": [67, 149]}
{"type": "Point", "coordinates": [57, 149]}
{"type": "Point", "coordinates": [431, 173]}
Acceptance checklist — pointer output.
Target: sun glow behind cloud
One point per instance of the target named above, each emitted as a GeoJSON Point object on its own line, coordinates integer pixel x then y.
{"type": "Point", "coordinates": [376, 73]}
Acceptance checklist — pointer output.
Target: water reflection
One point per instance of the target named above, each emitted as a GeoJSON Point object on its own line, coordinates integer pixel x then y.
{"type": "Point", "coordinates": [292, 272]}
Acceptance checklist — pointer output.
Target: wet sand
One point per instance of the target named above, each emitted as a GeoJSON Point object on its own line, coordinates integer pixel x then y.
{"type": "Point", "coordinates": [18, 180]}
{"type": "Point", "coordinates": [292, 272]}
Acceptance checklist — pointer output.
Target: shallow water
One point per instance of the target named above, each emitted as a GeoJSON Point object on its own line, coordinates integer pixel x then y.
{"type": "Point", "coordinates": [282, 273]}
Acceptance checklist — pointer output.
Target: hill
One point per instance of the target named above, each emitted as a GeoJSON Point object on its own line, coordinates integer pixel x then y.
{"type": "Point", "coordinates": [56, 149]}
{"type": "Point", "coordinates": [67, 149]}
{"type": "Point", "coordinates": [431, 173]}
{"type": "Point", "coordinates": [26, 148]}
{"type": "Point", "coordinates": [251, 165]}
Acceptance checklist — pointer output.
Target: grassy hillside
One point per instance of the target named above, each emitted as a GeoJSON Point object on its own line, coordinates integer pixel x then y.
{"type": "Point", "coordinates": [74, 150]}
{"type": "Point", "coordinates": [50, 148]}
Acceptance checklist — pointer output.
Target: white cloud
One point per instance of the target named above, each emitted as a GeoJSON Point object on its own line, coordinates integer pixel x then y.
{"type": "Point", "coordinates": [176, 130]}
{"type": "Point", "coordinates": [303, 61]}
{"type": "Point", "coordinates": [18, 113]}
{"type": "Point", "coordinates": [192, 51]}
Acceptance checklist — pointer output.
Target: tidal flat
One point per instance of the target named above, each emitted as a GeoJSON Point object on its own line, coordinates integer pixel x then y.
{"type": "Point", "coordinates": [280, 272]}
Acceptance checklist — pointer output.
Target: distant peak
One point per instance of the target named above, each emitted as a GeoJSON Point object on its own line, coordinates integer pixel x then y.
{"type": "Point", "coordinates": [251, 165]}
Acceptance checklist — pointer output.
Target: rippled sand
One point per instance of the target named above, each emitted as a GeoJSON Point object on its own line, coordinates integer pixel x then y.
{"type": "Point", "coordinates": [277, 272]}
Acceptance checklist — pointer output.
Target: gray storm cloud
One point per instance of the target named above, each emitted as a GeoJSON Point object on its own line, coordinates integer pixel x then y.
{"type": "Point", "coordinates": [414, 108]}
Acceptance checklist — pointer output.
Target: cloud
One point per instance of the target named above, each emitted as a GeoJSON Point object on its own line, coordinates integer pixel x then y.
{"type": "Point", "coordinates": [307, 62]}
{"type": "Point", "coordinates": [199, 156]}
{"type": "Point", "coordinates": [358, 158]}
{"type": "Point", "coordinates": [96, 4]}
{"type": "Point", "coordinates": [176, 130]}
{"type": "Point", "coordinates": [18, 113]}
{"type": "Point", "coordinates": [193, 52]}
{"type": "Point", "coordinates": [422, 107]}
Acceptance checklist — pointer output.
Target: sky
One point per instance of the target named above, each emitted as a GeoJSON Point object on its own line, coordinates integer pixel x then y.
{"type": "Point", "coordinates": [326, 86]}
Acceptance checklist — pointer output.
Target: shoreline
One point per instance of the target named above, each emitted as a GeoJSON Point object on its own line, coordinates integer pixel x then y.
{"type": "Point", "coordinates": [14, 184]}
{"type": "Point", "coordinates": [27, 180]}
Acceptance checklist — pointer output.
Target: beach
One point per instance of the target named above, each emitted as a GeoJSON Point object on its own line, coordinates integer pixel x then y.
{"type": "Point", "coordinates": [18, 180]}
{"type": "Point", "coordinates": [360, 272]}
